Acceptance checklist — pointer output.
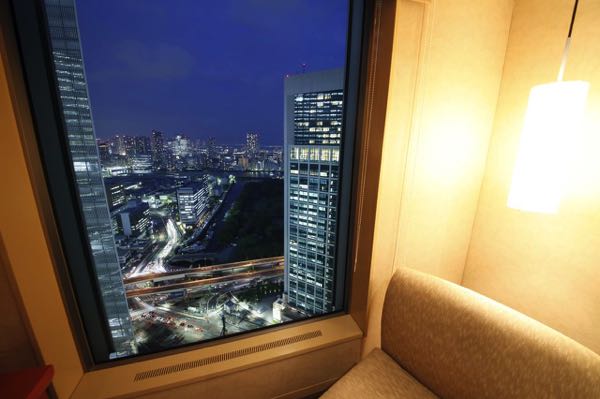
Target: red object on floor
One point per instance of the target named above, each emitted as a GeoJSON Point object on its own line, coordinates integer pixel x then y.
{"type": "Point", "coordinates": [26, 383]}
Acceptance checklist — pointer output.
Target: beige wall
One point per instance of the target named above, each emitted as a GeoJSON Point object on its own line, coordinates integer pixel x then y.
{"type": "Point", "coordinates": [27, 253]}
{"type": "Point", "coordinates": [16, 348]}
{"type": "Point", "coordinates": [446, 70]}
{"type": "Point", "coordinates": [547, 266]}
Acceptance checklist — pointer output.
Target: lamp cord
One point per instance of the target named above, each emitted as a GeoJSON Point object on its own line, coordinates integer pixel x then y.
{"type": "Point", "coordinates": [573, 17]}
{"type": "Point", "coordinates": [563, 62]}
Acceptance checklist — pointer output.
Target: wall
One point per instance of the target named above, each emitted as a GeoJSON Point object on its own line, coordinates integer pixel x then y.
{"type": "Point", "coordinates": [27, 253]}
{"type": "Point", "coordinates": [273, 380]}
{"type": "Point", "coordinates": [446, 69]}
{"type": "Point", "coordinates": [546, 266]}
{"type": "Point", "coordinates": [16, 348]}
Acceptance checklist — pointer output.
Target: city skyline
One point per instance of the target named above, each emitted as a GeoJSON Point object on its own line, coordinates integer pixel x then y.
{"type": "Point", "coordinates": [203, 140]}
{"type": "Point", "coordinates": [174, 77]}
{"type": "Point", "coordinates": [124, 154]}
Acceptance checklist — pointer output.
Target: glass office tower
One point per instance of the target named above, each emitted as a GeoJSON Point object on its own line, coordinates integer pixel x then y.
{"type": "Point", "coordinates": [158, 150]}
{"type": "Point", "coordinates": [192, 201]}
{"type": "Point", "coordinates": [68, 61]}
{"type": "Point", "coordinates": [313, 129]}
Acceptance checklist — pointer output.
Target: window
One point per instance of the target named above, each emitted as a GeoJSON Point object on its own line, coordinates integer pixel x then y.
{"type": "Point", "coordinates": [206, 197]}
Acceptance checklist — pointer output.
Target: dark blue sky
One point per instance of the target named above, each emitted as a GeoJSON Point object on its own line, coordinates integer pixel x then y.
{"type": "Point", "coordinates": [203, 67]}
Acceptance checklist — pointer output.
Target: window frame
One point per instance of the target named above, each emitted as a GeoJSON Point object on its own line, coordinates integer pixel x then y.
{"type": "Point", "coordinates": [78, 284]}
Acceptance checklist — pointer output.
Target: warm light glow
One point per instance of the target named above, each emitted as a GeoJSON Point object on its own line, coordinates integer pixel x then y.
{"type": "Point", "coordinates": [548, 141]}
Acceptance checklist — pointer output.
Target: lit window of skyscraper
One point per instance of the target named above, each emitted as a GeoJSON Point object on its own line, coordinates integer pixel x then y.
{"type": "Point", "coordinates": [313, 128]}
{"type": "Point", "coordinates": [318, 117]}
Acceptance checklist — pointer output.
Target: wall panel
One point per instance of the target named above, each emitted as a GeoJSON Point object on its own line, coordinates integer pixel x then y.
{"type": "Point", "coordinates": [446, 70]}
{"type": "Point", "coordinates": [546, 266]}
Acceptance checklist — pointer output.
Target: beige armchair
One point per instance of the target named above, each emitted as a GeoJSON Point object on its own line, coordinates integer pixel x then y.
{"type": "Point", "coordinates": [439, 339]}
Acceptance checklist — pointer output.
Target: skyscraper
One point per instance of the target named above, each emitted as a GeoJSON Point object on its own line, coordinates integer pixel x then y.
{"type": "Point", "coordinates": [141, 164]}
{"type": "Point", "coordinates": [66, 53]}
{"type": "Point", "coordinates": [158, 151]}
{"type": "Point", "coordinates": [115, 194]}
{"type": "Point", "coordinates": [313, 128]}
{"type": "Point", "coordinates": [211, 153]}
{"type": "Point", "coordinates": [252, 143]}
{"type": "Point", "coordinates": [125, 145]}
{"type": "Point", "coordinates": [142, 145]}
{"type": "Point", "coordinates": [181, 146]}
{"type": "Point", "coordinates": [134, 219]}
{"type": "Point", "coordinates": [103, 150]}
{"type": "Point", "coordinates": [192, 201]}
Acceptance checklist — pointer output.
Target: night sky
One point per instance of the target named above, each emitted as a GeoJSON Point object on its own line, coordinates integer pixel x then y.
{"type": "Point", "coordinates": [202, 67]}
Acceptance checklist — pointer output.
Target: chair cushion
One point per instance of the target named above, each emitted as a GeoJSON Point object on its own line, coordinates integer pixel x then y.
{"type": "Point", "coordinates": [377, 376]}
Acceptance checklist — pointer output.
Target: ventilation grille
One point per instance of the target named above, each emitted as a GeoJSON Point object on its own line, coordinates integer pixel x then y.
{"type": "Point", "coordinates": [226, 356]}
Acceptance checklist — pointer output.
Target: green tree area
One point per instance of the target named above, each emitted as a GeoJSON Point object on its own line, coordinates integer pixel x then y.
{"type": "Point", "coordinates": [255, 222]}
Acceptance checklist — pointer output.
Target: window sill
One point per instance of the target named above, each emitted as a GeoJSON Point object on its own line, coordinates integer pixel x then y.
{"type": "Point", "coordinates": [197, 365]}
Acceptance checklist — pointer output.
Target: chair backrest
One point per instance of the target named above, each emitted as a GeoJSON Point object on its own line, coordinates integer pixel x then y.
{"type": "Point", "coordinates": [463, 345]}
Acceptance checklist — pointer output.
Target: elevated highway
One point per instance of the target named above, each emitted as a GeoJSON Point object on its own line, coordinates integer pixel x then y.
{"type": "Point", "coordinates": [201, 272]}
{"type": "Point", "coordinates": [274, 270]}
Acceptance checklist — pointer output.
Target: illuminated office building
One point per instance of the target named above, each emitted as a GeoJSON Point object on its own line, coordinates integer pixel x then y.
{"type": "Point", "coordinates": [141, 164]}
{"type": "Point", "coordinates": [313, 130]}
{"type": "Point", "coordinates": [134, 219]}
{"type": "Point", "coordinates": [66, 54]}
{"type": "Point", "coordinates": [115, 194]}
{"type": "Point", "coordinates": [252, 143]}
{"type": "Point", "coordinates": [158, 150]}
{"type": "Point", "coordinates": [192, 201]}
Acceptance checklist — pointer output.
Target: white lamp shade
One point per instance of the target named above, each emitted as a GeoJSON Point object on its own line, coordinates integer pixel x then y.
{"type": "Point", "coordinates": [548, 140]}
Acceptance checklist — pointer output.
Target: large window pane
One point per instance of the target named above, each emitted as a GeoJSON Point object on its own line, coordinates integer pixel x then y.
{"type": "Point", "coordinates": [209, 177]}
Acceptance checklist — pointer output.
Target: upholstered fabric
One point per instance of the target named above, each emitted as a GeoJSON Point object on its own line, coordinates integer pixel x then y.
{"type": "Point", "coordinates": [377, 377]}
{"type": "Point", "coordinates": [463, 345]}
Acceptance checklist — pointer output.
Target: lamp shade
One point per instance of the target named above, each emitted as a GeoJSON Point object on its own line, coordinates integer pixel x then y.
{"type": "Point", "coordinates": [548, 140]}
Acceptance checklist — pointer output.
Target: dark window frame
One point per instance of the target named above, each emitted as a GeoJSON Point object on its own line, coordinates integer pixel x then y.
{"type": "Point", "coordinates": [84, 304]}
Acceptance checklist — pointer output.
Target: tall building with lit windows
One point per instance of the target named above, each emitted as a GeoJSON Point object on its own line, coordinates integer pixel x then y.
{"type": "Point", "coordinates": [142, 145]}
{"type": "Point", "coordinates": [115, 194]}
{"type": "Point", "coordinates": [313, 104]}
{"type": "Point", "coordinates": [141, 164]}
{"type": "Point", "coordinates": [68, 61]}
{"type": "Point", "coordinates": [192, 201]}
{"type": "Point", "coordinates": [157, 147]}
{"type": "Point", "coordinates": [134, 219]}
{"type": "Point", "coordinates": [252, 143]}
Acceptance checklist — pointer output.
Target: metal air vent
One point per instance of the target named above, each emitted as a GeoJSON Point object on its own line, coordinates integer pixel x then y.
{"type": "Point", "coordinates": [226, 356]}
